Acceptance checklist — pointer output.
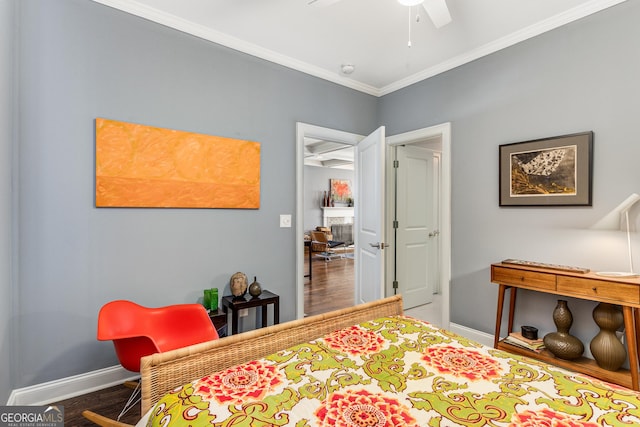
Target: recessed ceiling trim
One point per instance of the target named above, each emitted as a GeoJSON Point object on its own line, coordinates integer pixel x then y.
{"type": "Point", "coordinates": [206, 33]}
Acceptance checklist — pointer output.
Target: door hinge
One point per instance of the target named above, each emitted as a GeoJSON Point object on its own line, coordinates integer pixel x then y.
{"type": "Point", "coordinates": [396, 164]}
{"type": "Point", "coordinates": [395, 224]}
{"type": "Point", "coordinates": [395, 284]}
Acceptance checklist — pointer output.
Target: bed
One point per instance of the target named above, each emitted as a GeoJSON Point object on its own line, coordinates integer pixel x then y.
{"type": "Point", "coordinates": [370, 366]}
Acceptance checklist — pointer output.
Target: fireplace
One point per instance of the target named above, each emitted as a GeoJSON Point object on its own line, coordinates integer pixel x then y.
{"type": "Point", "coordinates": [337, 215]}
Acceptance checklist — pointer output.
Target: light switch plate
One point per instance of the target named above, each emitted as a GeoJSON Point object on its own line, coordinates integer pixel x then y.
{"type": "Point", "coordinates": [285, 221]}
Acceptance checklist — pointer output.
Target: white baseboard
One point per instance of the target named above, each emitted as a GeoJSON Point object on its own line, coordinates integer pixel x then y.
{"type": "Point", "coordinates": [481, 337]}
{"type": "Point", "coordinates": [65, 388]}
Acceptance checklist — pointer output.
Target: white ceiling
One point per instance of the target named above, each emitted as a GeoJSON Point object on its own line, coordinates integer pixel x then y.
{"type": "Point", "coordinates": [371, 35]}
{"type": "Point", "coordinates": [328, 154]}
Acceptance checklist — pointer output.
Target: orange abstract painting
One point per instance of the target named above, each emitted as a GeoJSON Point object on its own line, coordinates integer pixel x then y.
{"type": "Point", "coordinates": [145, 166]}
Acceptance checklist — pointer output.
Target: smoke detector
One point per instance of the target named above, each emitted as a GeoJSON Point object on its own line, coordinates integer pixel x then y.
{"type": "Point", "coordinates": [347, 69]}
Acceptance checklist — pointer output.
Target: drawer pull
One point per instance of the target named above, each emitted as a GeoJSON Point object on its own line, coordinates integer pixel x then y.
{"type": "Point", "coordinates": [594, 289]}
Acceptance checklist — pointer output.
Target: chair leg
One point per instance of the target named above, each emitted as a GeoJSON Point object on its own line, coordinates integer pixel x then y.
{"type": "Point", "coordinates": [133, 400]}
{"type": "Point", "coordinates": [102, 420]}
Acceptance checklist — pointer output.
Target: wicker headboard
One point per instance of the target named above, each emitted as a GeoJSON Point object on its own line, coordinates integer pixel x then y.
{"type": "Point", "coordinates": [162, 372]}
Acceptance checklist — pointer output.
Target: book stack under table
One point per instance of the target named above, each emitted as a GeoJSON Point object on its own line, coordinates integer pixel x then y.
{"type": "Point", "coordinates": [516, 339]}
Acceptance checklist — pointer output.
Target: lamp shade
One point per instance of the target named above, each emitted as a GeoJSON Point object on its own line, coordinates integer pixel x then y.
{"type": "Point", "coordinates": [410, 2]}
{"type": "Point", "coordinates": [613, 220]}
{"type": "Point", "coordinates": [618, 219]}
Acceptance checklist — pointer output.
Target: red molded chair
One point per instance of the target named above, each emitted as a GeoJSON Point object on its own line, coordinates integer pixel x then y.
{"type": "Point", "coordinates": [138, 331]}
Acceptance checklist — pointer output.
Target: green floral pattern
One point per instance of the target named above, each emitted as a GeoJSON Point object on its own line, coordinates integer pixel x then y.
{"type": "Point", "coordinates": [393, 372]}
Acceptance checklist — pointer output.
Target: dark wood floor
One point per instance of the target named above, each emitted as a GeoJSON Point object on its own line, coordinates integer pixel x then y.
{"type": "Point", "coordinates": [331, 288]}
{"type": "Point", "coordinates": [108, 402]}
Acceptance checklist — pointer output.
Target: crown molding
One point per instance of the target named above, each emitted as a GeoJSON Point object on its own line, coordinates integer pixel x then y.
{"type": "Point", "coordinates": [541, 27]}
{"type": "Point", "coordinates": [206, 33]}
{"type": "Point", "coordinates": [154, 15]}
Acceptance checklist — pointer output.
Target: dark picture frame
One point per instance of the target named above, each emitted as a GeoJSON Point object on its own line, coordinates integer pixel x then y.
{"type": "Point", "coordinates": [554, 171]}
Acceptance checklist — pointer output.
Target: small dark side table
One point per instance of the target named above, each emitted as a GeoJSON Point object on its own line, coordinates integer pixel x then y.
{"type": "Point", "coordinates": [235, 304]}
{"type": "Point", "coordinates": [219, 320]}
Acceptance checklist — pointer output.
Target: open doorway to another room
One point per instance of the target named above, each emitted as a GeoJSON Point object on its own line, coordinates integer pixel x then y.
{"type": "Point", "coordinates": [328, 225]}
{"type": "Point", "coordinates": [309, 215]}
{"type": "Point", "coordinates": [441, 133]}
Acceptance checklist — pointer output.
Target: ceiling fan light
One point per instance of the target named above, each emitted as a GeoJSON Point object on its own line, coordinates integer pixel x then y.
{"type": "Point", "coordinates": [410, 2]}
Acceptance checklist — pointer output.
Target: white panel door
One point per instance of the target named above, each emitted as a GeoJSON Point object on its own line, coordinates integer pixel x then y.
{"type": "Point", "coordinates": [369, 218]}
{"type": "Point", "coordinates": [417, 234]}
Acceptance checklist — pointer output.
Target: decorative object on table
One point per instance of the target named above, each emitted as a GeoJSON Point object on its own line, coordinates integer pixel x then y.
{"type": "Point", "coordinates": [618, 219]}
{"type": "Point", "coordinates": [561, 343]}
{"type": "Point", "coordinates": [529, 332]}
{"type": "Point", "coordinates": [560, 267]}
{"type": "Point", "coordinates": [340, 191]}
{"type": "Point", "coordinates": [325, 200]}
{"type": "Point", "coordinates": [210, 299]}
{"type": "Point", "coordinates": [605, 347]}
{"type": "Point", "coordinates": [254, 288]}
{"type": "Point", "coordinates": [238, 284]}
{"type": "Point", "coordinates": [147, 166]}
{"type": "Point", "coordinates": [517, 339]}
{"type": "Point", "coordinates": [547, 172]}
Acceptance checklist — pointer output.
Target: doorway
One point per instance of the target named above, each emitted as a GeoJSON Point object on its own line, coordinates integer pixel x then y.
{"type": "Point", "coordinates": [436, 140]}
{"type": "Point", "coordinates": [304, 132]}
{"type": "Point", "coordinates": [440, 131]}
{"type": "Point", "coordinates": [328, 219]}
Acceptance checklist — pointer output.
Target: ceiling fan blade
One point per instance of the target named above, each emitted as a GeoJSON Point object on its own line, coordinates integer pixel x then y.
{"type": "Point", "coordinates": [438, 12]}
{"type": "Point", "coordinates": [321, 3]}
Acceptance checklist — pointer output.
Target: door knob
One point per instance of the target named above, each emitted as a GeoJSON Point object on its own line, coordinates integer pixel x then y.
{"type": "Point", "coordinates": [434, 233]}
{"type": "Point", "coordinates": [379, 245]}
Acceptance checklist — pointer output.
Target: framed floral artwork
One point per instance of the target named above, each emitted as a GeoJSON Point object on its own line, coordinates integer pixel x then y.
{"type": "Point", "coordinates": [341, 191]}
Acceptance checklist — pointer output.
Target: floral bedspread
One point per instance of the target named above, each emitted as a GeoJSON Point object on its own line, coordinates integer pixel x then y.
{"type": "Point", "coordinates": [396, 372]}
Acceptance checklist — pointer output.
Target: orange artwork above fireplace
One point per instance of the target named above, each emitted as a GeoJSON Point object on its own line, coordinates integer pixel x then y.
{"type": "Point", "coordinates": [145, 166]}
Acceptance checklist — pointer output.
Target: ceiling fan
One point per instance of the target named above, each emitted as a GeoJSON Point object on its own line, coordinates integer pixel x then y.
{"type": "Point", "coordinates": [436, 9]}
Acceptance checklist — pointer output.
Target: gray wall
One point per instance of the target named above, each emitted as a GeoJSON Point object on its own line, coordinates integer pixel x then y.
{"type": "Point", "coordinates": [316, 182]}
{"type": "Point", "coordinates": [6, 138]}
{"type": "Point", "coordinates": [80, 60]}
{"type": "Point", "coordinates": [580, 77]}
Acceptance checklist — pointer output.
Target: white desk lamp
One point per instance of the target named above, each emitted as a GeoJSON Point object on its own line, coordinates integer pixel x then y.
{"type": "Point", "coordinates": [615, 220]}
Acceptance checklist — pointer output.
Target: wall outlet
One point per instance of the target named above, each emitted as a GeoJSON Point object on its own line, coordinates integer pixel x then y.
{"type": "Point", "coordinates": [243, 312]}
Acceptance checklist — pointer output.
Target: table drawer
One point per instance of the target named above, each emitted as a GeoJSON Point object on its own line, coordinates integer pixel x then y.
{"type": "Point", "coordinates": [523, 278]}
{"type": "Point", "coordinates": [599, 289]}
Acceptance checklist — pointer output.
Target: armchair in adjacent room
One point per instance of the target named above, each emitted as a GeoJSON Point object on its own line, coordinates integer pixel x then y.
{"type": "Point", "coordinates": [321, 243]}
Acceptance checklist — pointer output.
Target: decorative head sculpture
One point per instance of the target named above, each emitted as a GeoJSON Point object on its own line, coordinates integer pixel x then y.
{"type": "Point", "coordinates": [238, 284]}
